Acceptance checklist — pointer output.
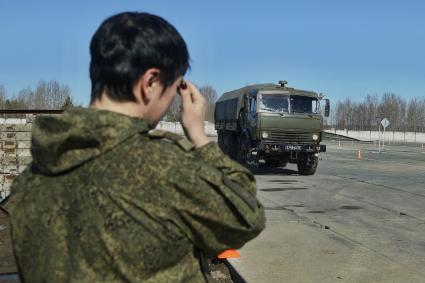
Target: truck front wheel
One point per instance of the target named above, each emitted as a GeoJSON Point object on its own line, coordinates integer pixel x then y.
{"type": "Point", "coordinates": [307, 165]}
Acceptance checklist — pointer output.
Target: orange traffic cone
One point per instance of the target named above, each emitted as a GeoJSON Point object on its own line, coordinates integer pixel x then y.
{"type": "Point", "coordinates": [229, 254]}
{"type": "Point", "coordinates": [359, 154]}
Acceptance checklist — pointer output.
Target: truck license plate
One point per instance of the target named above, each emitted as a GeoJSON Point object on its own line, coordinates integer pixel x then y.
{"type": "Point", "coordinates": [292, 147]}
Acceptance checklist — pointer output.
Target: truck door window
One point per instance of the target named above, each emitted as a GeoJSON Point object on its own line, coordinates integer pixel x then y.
{"type": "Point", "coordinates": [253, 105]}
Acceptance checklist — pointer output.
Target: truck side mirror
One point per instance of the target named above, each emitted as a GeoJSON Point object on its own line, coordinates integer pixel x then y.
{"type": "Point", "coordinates": [327, 107]}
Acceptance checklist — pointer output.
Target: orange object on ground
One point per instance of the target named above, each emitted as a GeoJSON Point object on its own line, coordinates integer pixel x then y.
{"type": "Point", "coordinates": [229, 254]}
{"type": "Point", "coordinates": [359, 154]}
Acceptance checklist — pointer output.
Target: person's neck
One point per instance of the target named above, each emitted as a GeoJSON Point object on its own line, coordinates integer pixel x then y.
{"type": "Point", "coordinates": [127, 108]}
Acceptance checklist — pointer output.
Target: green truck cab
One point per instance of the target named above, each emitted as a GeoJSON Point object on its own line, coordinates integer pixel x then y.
{"type": "Point", "coordinates": [272, 125]}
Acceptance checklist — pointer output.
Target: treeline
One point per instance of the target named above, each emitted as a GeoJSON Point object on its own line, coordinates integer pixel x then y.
{"type": "Point", "coordinates": [47, 95]}
{"type": "Point", "coordinates": [366, 115]}
{"type": "Point", "coordinates": [51, 95]}
{"type": "Point", "coordinates": [210, 94]}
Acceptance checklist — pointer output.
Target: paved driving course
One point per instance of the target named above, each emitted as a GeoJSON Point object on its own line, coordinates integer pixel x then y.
{"type": "Point", "coordinates": [354, 221]}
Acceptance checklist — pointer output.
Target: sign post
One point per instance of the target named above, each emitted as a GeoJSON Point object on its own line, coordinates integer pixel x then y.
{"type": "Point", "coordinates": [378, 122]}
{"type": "Point", "coordinates": [385, 123]}
{"type": "Point", "coordinates": [379, 138]}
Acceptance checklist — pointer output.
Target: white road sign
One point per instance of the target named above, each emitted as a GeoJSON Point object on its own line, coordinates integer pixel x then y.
{"type": "Point", "coordinates": [385, 123]}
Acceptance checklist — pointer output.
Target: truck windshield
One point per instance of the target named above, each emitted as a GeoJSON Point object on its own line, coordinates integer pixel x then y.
{"type": "Point", "coordinates": [273, 102]}
{"type": "Point", "coordinates": [303, 104]}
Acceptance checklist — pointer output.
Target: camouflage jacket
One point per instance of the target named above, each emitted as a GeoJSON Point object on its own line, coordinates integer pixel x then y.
{"type": "Point", "coordinates": [106, 199]}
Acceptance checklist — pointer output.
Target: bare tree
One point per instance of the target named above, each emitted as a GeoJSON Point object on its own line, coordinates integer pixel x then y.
{"type": "Point", "coordinates": [415, 117]}
{"type": "Point", "coordinates": [363, 115]}
{"type": "Point", "coordinates": [25, 98]}
{"type": "Point", "coordinates": [174, 112]}
{"type": "Point", "coordinates": [211, 96]}
{"type": "Point", "coordinates": [3, 96]}
{"type": "Point", "coordinates": [371, 102]}
{"type": "Point", "coordinates": [393, 107]}
{"type": "Point", "coordinates": [46, 95]}
{"type": "Point", "coordinates": [56, 94]}
{"type": "Point", "coordinates": [67, 104]}
{"type": "Point", "coordinates": [344, 114]}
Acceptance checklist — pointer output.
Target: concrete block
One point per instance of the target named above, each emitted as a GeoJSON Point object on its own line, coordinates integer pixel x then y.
{"type": "Point", "coordinates": [15, 136]}
{"type": "Point", "coordinates": [24, 160]}
{"type": "Point", "coordinates": [16, 127]}
{"type": "Point", "coordinates": [21, 168]}
{"type": "Point", "coordinates": [4, 194]}
{"type": "Point", "coordinates": [9, 144]}
{"type": "Point", "coordinates": [8, 160]}
{"type": "Point", "coordinates": [8, 169]}
{"type": "Point", "coordinates": [4, 190]}
{"type": "Point", "coordinates": [23, 152]}
{"type": "Point", "coordinates": [13, 121]}
{"type": "Point", "coordinates": [8, 179]}
{"type": "Point", "coordinates": [24, 144]}
{"type": "Point", "coordinates": [9, 151]}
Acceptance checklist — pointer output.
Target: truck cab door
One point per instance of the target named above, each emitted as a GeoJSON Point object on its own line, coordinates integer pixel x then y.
{"type": "Point", "coordinates": [252, 115]}
{"type": "Point", "coordinates": [243, 113]}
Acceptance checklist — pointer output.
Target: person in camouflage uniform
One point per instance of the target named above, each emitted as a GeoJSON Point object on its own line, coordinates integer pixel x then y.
{"type": "Point", "coordinates": [109, 199]}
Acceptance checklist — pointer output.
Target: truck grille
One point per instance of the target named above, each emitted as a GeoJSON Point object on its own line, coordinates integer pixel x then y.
{"type": "Point", "coordinates": [291, 137]}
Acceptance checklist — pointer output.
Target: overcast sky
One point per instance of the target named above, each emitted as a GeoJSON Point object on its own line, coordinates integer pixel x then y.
{"type": "Point", "coordinates": [340, 48]}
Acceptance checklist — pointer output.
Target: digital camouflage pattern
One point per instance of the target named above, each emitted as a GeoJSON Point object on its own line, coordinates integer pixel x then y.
{"type": "Point", "coordinates": [108, 200]}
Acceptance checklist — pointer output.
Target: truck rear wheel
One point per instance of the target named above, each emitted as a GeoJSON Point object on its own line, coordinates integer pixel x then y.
{"type": "Point", "coordinates": [243, 149]}
{"type": "Point", "coordinates": [227, 142]}
{"type": "Point", "coordinates": [308, 164]}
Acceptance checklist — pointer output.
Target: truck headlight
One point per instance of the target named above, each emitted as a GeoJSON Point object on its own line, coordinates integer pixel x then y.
{"type": "Point", "coordinates": [265, 135]}
{"type": "Point", "coordinates": [315, 137]}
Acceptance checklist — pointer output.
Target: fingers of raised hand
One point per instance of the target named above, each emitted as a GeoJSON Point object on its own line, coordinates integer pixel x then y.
{"type": "Point", "coordinates": [186, 98]}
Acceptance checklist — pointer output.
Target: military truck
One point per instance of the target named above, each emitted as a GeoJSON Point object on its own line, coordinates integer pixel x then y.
{"type": "Point", "coordinates": [271, 125]}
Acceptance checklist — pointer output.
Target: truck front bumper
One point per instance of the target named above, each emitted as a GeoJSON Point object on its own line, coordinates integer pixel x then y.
{"type": "Point", "coordinates": [286, 147]}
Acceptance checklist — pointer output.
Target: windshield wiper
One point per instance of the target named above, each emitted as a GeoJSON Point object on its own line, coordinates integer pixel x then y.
{"type": "Point", "coordinates": [269, 109]}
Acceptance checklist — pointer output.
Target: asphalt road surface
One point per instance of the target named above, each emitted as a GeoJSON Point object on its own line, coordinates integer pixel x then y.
{"type": "Point", "coordinates": [354, 221]}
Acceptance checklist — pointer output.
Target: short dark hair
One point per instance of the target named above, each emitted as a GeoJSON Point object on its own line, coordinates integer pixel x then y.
{"type": "Point", "coordinates": [126, 45]}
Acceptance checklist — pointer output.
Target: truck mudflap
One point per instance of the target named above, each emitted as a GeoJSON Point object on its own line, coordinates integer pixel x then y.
{"type": "Point", "coordinates": [284, 147]}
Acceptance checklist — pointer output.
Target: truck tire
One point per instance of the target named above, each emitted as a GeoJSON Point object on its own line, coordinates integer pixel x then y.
{"type": "Point", "coordinates": [230, 144]}
{"type": "Point", "coordinates": [220, 141]}
{"type": "Point", "coordinates": [308, 165]}
{"type": "Point", "coordinates": [242, 149]}
{"type": "Point", "coordinates": [227, 142]}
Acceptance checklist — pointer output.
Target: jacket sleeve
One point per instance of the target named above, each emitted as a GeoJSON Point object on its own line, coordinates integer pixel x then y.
{"type": "Point", "coordinates": [216, 203]}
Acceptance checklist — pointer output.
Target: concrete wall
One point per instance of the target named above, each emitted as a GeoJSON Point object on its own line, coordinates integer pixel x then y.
{"type": "Point", "coordinates": [176, 127]}
{"type": "Point", "coordinates": [389, 136]}
{"type": "Point", "coordinates": [361, 135]}
{"type": "Point", "coordinates": [15, 142]}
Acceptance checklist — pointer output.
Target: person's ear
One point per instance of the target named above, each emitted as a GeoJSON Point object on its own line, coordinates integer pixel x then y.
{"type": "Point", "coordinates": [147, 86]}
